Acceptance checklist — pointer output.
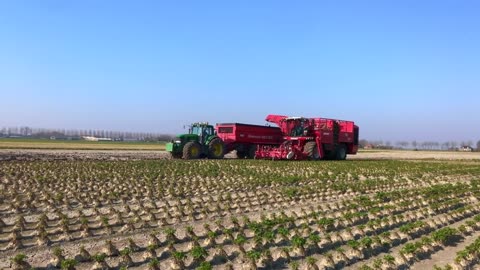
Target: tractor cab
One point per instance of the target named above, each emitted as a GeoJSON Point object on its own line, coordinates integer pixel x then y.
{"type": "Point", "coordinates": [202, 130]}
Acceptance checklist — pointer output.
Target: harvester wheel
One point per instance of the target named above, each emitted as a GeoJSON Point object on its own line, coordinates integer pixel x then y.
{"type": "Point", "coordinates": [341, 152]}
{"type": "Point", "coordinates": [311, 150]}
{"type": "Point", "coordinates": [191, 150]}
{"type": "Point", "coordinates": [251, 151]}
{"type": "Point", "coordinates": [330, 155]}
{"type": "Point", "coordinates": [216, 149]}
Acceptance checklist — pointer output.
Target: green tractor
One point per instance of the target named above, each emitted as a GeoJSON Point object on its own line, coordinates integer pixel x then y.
{"type": "Point", "coordinates": [201, 141]}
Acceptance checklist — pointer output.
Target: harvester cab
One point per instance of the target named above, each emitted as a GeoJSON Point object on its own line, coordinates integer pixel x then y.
{"type": "Point", "coordinates": [296, 126]}
{"type": "Point", "coordinates": [201, 141]}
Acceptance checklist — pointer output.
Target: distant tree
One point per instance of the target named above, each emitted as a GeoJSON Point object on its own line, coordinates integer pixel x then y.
{"type": "Point", "coordinates": [444, 146]}
{"type": "Point", "coordinates": [424, 145]}
{"type": "Point", "coordinates": [414, 144]}
{"type": "Point", "coordinates": [377, 143]}
{"type": "Point", "coordinates": [362, 143]}
{"type": "Point", "coordinates": [453, 145]}
{"type": "Point", "coordinates": [478, 146]}
{"type": "Point", "coordinates": [430, 145]}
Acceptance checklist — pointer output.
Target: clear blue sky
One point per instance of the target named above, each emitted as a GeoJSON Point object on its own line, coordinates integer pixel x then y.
{"type": "Point", "coordinates": [400, 69]}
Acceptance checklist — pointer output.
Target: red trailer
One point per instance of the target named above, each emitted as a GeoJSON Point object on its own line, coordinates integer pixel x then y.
{"type": "Point", "coordinates": [311, 138]}
{"type": "Point", "coordinates": [246, 138]}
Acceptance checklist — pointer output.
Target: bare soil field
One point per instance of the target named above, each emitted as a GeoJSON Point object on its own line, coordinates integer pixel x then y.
{"type": "Point", "coordinates": [404, 154]}
{"type": "Point", "coordinates": [72, 209]}
{"type": "Point", "coordinates": [76, 154]}
{"type": "Point", "coordinates": [96, 154]}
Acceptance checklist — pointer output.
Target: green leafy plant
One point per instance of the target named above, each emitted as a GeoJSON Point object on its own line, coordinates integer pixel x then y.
{"type": "Point", "coordinates": [153, 263]}
{"type": "Point", "coordinates": [19, 258]}
{"type": "Point", "coordinates": [68, 264]}
{"type": "Point", "coordinates": [389, 259]}
{"type": "Point", "coordinates": [240, 239]}
{"type": "Point", "coordinates": [298, 241]}
{"type": "Point", "coordinates": [57, 251]}
{"type": "Point", "coordinates": [178, 255]}
{"type": "Point", "coordinates": [354, 244]}
{"type": "Point", "coordinates": [311, 260]}
{"type": "Point", "coordinates": [100, 257]}
{"type": "Point", "coordinates": [294, 265]}
{"type": "Point", "coordinates": [199, 253]}
{"type": "Point", "coordinates": [444, 235]}
{"type": "Point", "coordinates": [410, 248]}
{"type": "Point", "coordinates": [254, 255]}
{"type": "Point", "coordinates": [126, 251]}
{"type": "Point", "coordinates": [204, 266]}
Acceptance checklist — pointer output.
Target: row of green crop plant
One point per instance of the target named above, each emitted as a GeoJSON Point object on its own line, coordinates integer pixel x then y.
{"type": "Point", "coordinates": [261, 241]}
{"type": "Point", "coordinates": [104, 226]}
{"type": "Point", "coordinates": [411, 252]}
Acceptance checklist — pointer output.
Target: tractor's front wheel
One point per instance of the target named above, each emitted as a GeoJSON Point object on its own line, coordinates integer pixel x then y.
{"type": "Point", "coordinates": [191, 150]}
{"type": "Point", "coordinates": [216, 149]}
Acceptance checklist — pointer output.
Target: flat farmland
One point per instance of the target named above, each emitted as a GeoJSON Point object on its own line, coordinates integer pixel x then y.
{"type": "Point", "coordinates": [17, 153]}
{"type": "Point", "coordinates": [415, 155]}
{"type": "Point", "coordinates": [78, 145]}
{"type": "Point", "coordinates": [239, 214]}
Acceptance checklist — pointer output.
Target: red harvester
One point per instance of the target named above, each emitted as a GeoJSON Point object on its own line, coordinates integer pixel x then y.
{"type": "Point", "coordinates": [311, 138]}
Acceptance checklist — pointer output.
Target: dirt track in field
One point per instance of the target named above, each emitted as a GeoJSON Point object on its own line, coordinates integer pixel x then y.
{"type": "Point", "coordinates": [31, 154]}
{"type": "Point", "coordinates": [34, 154]}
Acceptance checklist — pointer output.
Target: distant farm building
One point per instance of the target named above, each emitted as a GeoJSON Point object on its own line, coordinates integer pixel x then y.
{"type": "Point", "coordinates": [95, 139]}
{"type": "Point", "coordinates": [369, 146]}
{"type": "Point", "coordinates": [466, 148]}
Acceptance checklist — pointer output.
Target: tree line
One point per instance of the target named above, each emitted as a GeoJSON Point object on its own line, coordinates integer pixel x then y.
{"type": "Point", "coordinates": [74, 134]}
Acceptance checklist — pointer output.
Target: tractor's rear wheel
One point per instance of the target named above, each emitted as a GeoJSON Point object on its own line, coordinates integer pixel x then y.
{"type": "Point", "coordinates": [191, 150]}
{"type": "Point", "coordinates": [216, 149]}
{"type": "Point", "coordinates": [311, 150]}
{"type": "Point", "coordinates": [341, 153]}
